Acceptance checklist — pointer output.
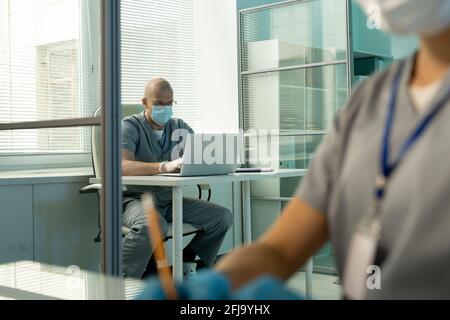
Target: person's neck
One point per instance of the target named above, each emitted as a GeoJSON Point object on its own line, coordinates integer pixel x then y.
{"type": "Point", "coordinates": [433, 60]}
{"type": "Point", "coordinates": [153, 124]}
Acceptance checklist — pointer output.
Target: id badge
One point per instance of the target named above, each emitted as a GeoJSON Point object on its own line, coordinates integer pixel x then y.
{"type": "Point", "coordinates": [361, 255]}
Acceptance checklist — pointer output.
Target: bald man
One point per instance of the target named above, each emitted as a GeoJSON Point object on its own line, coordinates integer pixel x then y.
{"type": "Point", "coordinates": [146, 150]}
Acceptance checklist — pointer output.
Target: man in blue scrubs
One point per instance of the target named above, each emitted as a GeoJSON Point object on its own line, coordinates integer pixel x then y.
{"type": "Point", "coordinates": [147, 147]}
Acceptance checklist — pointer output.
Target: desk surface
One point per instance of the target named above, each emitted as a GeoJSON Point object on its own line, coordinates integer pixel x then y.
{"type": "Point", "coordinates": [36, 176]}
{"type": "Point", "coordinates": [186, 181]}
{"type": "Point", "coordinates": [29, 280]}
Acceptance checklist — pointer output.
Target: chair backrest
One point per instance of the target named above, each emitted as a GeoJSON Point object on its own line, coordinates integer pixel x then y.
{"type": "Point", "coordinates": [96, 135]}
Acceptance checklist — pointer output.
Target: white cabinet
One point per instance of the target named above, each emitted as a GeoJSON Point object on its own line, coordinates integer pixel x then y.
{"type": "Point", "coordinates": [65, 224]}
{"type": "Point", "coordinates": [16, 223]}
{"type": "Point", "coordinates": [44, 218]}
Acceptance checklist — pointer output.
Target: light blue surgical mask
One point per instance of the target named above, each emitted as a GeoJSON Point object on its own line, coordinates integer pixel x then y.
{"type": "Point", "coordinates": [161, 114]}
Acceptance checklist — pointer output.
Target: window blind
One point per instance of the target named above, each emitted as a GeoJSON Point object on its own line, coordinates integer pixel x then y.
{"type": "Point", "coordinates": [158, 39]}
{"type": "Point", "coordinates": [40, 75]}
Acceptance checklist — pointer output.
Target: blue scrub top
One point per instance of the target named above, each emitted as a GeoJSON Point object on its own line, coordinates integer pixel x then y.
{"type": "Point", "coordinates": [139, 138]}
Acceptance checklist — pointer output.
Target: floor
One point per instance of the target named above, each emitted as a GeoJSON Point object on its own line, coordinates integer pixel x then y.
{"type": "Point", "coordinates": [324, 286]}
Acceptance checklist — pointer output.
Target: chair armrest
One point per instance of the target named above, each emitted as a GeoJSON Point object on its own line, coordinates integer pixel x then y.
{"type": "Point", "coordinates": [202, 187]}
{"type": "Point", "coordinates": [96, 187]}
{"type": "Point", "coordinates": [125, 231]}
{"type": "Point", "coordinates": [92, 188]}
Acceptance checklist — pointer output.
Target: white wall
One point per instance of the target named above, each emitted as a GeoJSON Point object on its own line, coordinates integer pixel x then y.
{"type": "Point", "coordinates": [218, 109]}
{"type": "Point", "coordinates": [217, 85]}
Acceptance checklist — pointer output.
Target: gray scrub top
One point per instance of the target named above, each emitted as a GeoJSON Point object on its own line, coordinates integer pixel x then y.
{"type": "Point", "coordinates": [415, 235]}
{"type": "Point", "coordinates": [141, 139]}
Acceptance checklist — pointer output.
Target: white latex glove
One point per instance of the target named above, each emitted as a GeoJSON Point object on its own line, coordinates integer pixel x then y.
{"type": "Point", "coordinates": [170, 166]}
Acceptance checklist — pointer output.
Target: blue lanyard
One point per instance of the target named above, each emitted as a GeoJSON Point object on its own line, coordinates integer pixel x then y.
{"type": "Point", "coordinates": [162, 141]}
{"type": "Point", "coordinates": [387, 168]}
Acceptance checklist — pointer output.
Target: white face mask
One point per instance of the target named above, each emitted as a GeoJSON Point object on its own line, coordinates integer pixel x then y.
{"type": "Point", "coordinates": [423, 17]}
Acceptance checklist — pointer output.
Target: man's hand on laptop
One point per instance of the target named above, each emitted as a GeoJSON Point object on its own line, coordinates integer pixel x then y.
{"type": "Point", "coordinates": [170, 166]}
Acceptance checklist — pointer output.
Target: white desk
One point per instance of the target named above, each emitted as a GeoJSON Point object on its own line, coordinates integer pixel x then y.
{"type": "Point", "coordinates": [177, 184]}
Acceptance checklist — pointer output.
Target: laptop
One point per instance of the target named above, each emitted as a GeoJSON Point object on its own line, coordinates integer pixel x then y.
{"type": "Point", "coordinates": [210, 154]}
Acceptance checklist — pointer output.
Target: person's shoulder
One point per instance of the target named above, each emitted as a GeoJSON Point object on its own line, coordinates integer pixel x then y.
{"type": "Point", "coordinates": [179, 123]}
{"type": "Point", "coordinates": [133, 122]}
{"type": "Point", "coordinates": [134, 118]}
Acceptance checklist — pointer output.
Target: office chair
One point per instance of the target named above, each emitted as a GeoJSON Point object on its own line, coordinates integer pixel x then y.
{"type": "Point", "coordinates": [127, 110]}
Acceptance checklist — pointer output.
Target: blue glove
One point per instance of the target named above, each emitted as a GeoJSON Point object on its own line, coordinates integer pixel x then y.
{"type": "Point", "coordinates": [212, 285]}
{"type": "Point", "coordinates": [265, 288]}
{"type": "Point", "coordinates": [207, 285]}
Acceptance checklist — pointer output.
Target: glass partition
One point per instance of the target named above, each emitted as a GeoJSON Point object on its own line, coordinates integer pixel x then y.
{"type": "Point", "coordinates": [50, 86]}
{"type": "Point", "coordinates": [294, 72]}
{"type": "Point", "coordinates": [294, 77]}
{"type": "Point", "coordinates": [306, 98]}
{"type": "Point", "coordinates": [293, 34]}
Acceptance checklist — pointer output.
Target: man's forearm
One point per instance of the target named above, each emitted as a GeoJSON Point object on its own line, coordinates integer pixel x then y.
{"type": "Point", "coordinates": [251, 262]}
{"type": "Point", "coordinates": [137, 168]}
